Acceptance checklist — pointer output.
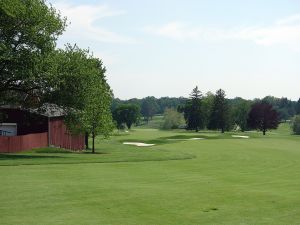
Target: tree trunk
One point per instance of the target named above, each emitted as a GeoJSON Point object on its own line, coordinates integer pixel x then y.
{"type": "Point", "coordinates": [93, 137]}
{"type": "Point", "coordinates": [222, 130]}
{"type": "Point", "coordinates": [264, 131]}
{"type": "Point", "coordinates": [86, 139]}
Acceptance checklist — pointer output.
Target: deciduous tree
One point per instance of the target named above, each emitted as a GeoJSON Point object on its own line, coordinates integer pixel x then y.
{"type": "Point", "coordinates": [263, 117]}
{"type": "Point", "coordinates": [28, 33]}
{"type": "Point", "coordinates": [240, 113]}
{"type": "Point", "coordinates": [91, 111]}
{"type": "Point", "coordinates": [172, 119]}
{"type": "Point", "coordinates": [149, 107]}
{"type": "Point", "coordinates": [296, 124]}
{"type": "Point", "coordinates": [126, 113]}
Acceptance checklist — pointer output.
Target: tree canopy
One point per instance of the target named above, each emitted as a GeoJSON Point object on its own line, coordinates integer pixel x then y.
{"type": "Point", "coordinates": [33, 71]}
{"type": "Point", "coordinates": [240, 110]}
{"type": "Point", "coordinates": [262, 116]}
{"type": "Point", "coordinates": [126, 114]}
{"type": "Point", "coordinates": [296, 125]}
{"type": "Point", "coordinates": [84, 92]}
{"type": "Point", "coordinates": [149, 107]}
{"type": "Point", "coordinates": [298, 107]}
{"type": "Point", "coordinates": [29, 30]}
{"type": "Point", "coordinates": [172, 119]}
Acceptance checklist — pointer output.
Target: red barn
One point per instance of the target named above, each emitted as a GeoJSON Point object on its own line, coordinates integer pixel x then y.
{"type": "Point", "coordinates": [23, 129]}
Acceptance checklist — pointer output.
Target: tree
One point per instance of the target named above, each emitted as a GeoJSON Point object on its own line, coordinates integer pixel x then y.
{"type": "Point", "coordinates": [74, 71]}
{"type": "Point", "coordinates": [169, 102]}
{"type": "Point", "coordinates": [91, 112]}
{"type": "Point", "coordinates": [240, 112]}
{"type": "Point", "coordinates": [193, 111]}
{"type": "Point", "coordinates": [172, 119]}
{"type": "Point", "coordinates": [263, 117]}
{"type": "Point", "coordinates": [96, 117]}
{"type": "Point", "coordinates": [220, 113]}
{"type": "Point", "coordinates": [207, 103]}
{"type": "Point", "coordinates": [298, 107]}
{"type": "Point", "coordinates": [28, 33]}
{"type": "Point", "coordinates": [296, 124]}
{"type": "Point", "coordinates": [149, 107]}
{"type": "Point", "coordinates": [285, 107]}
{"type": "Point", "coordinates": [33, 72]}
{"type": "Point", "coordinates": [126, 113]}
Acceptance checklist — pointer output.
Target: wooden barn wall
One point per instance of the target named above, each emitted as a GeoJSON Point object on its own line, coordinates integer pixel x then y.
{"type": "Point", "coordinates": [28, 123]}
{"type": "Point", "coordinates": [20, 143]}
{"type": "Point", "coordinates": [61, 137]}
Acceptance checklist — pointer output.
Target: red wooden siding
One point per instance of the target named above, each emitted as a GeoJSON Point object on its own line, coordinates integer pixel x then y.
{"type": "Point", "coordinates": [60, 137]}
{"type": "Point", "coordinates": [23, 142]}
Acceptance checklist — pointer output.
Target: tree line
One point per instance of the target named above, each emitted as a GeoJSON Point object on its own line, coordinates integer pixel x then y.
{"type": "Point", "coordinates": [212, 111]}
{"type": "Point", "coordinates": [151, 106]}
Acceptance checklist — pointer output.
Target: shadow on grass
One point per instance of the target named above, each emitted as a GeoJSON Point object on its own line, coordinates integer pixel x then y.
{"type": "Point", "coordinates": [65, 151]}
{"type": "Point", "coordinates": [53, 150]}
{"type": "Point", "coordinates": [95, 153]}
{"type": "Point", "coordinates": [19, 156]}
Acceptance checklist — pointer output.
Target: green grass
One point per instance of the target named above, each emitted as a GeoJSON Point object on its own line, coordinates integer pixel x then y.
{"type": "Point", "coordinates": [218, 180]}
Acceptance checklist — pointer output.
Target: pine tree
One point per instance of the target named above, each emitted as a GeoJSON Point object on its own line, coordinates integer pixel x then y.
{"type": "Point", "coordinates": [193, 111]}
{"type": "Point", "coordinates": [220, 113]}
{"type": "Point", "coordinates": [298, 107]}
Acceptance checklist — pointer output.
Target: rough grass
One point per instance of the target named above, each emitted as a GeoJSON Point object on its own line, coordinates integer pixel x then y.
{"type": "Point", "coordinates": [224, 181]}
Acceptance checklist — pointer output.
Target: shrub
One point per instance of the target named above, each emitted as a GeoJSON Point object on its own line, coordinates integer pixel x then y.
{"type": "Point", "coordinates": [172, 119]}
{"type": "Point", "coordinates": [296, 125]}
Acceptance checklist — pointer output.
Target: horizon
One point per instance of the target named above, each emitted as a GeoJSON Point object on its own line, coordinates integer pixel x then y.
{"type": "Point", "coordinates": [204, 94]}
{"type": "Point", "coordinates": [165, 48]}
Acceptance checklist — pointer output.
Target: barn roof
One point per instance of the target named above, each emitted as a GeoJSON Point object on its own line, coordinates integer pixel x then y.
{"type": "Point", "coordinates": [48, 110]}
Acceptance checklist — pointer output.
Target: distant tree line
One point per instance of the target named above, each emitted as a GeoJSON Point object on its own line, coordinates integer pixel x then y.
{"type": "Point", "coordinates": [151, 106]}
{"type": "Point", "coordinates": [213, 111]}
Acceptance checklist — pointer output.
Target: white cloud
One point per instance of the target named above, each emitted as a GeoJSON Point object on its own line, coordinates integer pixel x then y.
{"type": "Point", "coordinates": [174, 30]}
{"type": "Point", "coordinates": [289, 20]}
{"type": "Point", "coordinates": [83, 20]}
{"type": "Point", "coordinates": [284, 32]}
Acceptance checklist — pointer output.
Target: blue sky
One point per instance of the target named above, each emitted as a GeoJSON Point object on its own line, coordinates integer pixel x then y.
{"type": "Point", "coordinates": [249, 48]}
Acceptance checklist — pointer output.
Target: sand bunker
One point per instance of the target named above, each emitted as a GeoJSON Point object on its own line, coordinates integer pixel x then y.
{"type": "Point", "coordinates": [139, 144]}
{"type": "Point", "coordinates": [182, 139]}
{"type": "Point", "coordinates": [239, 136]}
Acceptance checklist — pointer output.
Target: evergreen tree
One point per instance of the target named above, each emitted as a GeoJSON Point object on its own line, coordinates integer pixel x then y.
{"type": "Point", "coordinates": [298, 107]}
{"type": "Point", "coordinates": [193, 111]}
{"type": "Point", "coordinates": [220, 113]}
